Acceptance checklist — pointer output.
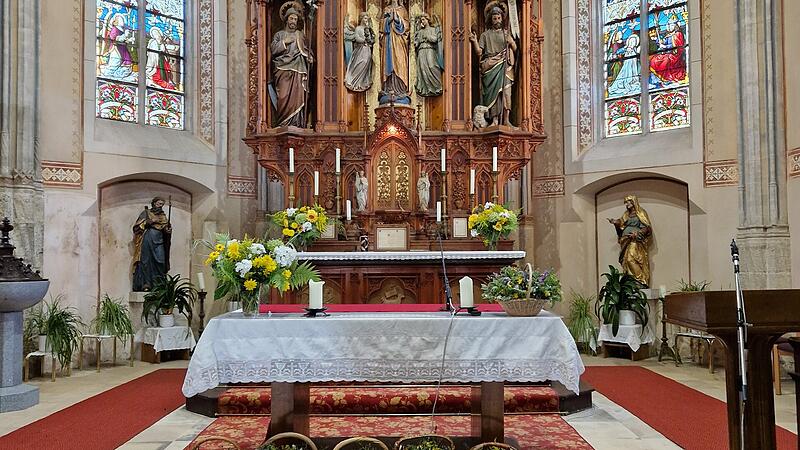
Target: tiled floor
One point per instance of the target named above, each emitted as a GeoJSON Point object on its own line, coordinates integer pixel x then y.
{"type": "Point", "coordinates": [606, 426]}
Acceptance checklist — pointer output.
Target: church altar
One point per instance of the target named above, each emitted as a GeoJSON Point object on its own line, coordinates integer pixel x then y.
{"type": "Point", "coordinates": [397, 277]}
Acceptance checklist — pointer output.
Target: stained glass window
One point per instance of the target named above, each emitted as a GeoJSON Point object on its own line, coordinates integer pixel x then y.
{"type": "Point", "coordinates": [158, 83]}
{"type": "Point", "coordinates": [654, 86]}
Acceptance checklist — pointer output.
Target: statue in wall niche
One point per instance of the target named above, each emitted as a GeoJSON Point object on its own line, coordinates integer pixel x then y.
{"type": "Point", "coordinates": [362, 185]}
{"type": "Point", "coordinates": [152, 236]}
{"type": "Point", "coordinates": [424, 191]}
{"type": "Point", "coordinates": [291, 60]}
{"type": "Point", "coordinates": [358, 42]}
{"type": "Point", "coordinates": [495, 49]}
{"type": "Point", "coordinates": [394, 54]}
{"type": "Point", "coordinates": [430, 57]}
{"type": "Point", "coordinates": [634, 234]}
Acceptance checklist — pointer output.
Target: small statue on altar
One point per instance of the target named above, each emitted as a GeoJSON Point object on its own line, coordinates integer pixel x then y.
{"type": "Point", "coordinates": [292, 60]}
{"type": "Point", "coordinates": [394, 53]}
{"type": "Point", "coordinates": [634, 234]}
{"type": "Point", "coordinates": [358, 42]}
{"type": "Point", "coordinates": [430, 57]}
{"type": "Point", "coordinates": [424, 191]}
{"type": "Point", "coordinates": [152, 236]}
{"type": "Point", "coordinates": [496, 49]}
{"type": "Point", "coordinates": [362, 184]}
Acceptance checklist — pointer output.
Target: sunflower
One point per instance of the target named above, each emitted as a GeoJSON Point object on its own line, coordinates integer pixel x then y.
{"type": "Point", "coordinates": [250, 284]}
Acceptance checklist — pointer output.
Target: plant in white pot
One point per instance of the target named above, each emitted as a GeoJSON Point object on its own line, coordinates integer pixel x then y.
{"type": "Point", "coordinates": [36, 328]}
{"type": "Point", "coordinates": [621, 301]}
{"type": "Point", "coordinates": [169, 293]}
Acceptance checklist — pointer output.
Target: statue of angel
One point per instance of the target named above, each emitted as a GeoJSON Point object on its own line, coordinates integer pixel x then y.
{"type": "Point", "coordinates": [358, 42]}
{"type": "Point", "coordinates": [430, 56]}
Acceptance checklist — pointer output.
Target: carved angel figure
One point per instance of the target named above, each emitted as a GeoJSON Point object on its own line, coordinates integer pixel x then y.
{"type": "Point", "coordinates": [430, 57]}
{"type": "Point", "coordinates": [358, 42]}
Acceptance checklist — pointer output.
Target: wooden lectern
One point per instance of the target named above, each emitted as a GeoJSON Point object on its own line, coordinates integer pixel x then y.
{"type": "Point", "coordinates": [771, 313]}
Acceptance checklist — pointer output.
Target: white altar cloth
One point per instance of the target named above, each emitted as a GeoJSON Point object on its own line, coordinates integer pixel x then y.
{"type": "Point", "coordinates": [383, 347]}
{"type": "Point", "coordinates": [627, 334]}
{"type": "Point", "coordinates": [411, 255]}
{"type": "Point", "coordinates": [169, 338]}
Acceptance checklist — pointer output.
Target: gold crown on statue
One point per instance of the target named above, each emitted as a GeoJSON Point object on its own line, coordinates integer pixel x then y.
{"type": "Point", "coordinates": [292, 7]}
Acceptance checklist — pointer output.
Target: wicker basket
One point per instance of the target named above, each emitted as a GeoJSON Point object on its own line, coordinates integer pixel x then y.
{"type": "Point", "coordinates": [198, 443]}
{"type": "Point", "coordinates": [442, 442]}
{"type": "Point", "coordinates": [523, 307]}
{"type": "Point", "coordinates": [361, 443]}
{"type": "Point", "coordinates": [492, 446]}
{"type": "Point", "coordinates": [289, 438]}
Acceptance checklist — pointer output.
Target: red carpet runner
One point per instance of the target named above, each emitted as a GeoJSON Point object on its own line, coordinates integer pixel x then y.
{"type": "Point", "coordinates": [108, 419]}
{"type": "Point", "coordinates": [689, 418]}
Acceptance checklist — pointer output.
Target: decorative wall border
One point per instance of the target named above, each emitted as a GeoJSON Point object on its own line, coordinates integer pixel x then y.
{"type": "Point", "coordinates": [62, 174]}
{"type": "Point", "coordinates": [793, 161]}
{"type": "Point", "coordinates": [242, 187]}
{"type": "Point", "coordinates": [721, 173]}
{"type": "Point", "coordinates": [205, 65]}
{"type": "Point", "coordinates": [583, 22]}
{"type": "Point", "coordinates": [550, 186]}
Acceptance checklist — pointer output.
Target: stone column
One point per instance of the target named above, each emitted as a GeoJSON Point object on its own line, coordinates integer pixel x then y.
{"type": "Point", "coordinates": [21, 194]}
{"type": "Point", "coordinates": [763, 234]}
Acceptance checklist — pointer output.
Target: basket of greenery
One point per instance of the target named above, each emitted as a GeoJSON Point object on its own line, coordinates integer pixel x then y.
{"type": "Point", "coordinates": [169, 292]}
{"type": "Point", "coordinates": [493, 446]}
{"type": "Point", "coordinates": [581, 321]}
{"type": "Point", "coordinates": [112, 318]}
{"type": "Point", "coordinates": [522, 292]}
{"type": "Point", "coordinates": [361, 443]}
{"type": "Point", "coordinates": [288, 441]}
{"type": "Point", "coordinates": [621, 293]}
{"type": "Point", "coordinates": [208, 439]}
{"type": "Point", "coordinates": [425, 442]}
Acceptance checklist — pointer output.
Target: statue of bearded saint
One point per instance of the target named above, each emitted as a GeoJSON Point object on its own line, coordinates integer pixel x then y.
{"type": "Point", "coordinates": [495, 49]}
{"type": "Point", "coordinates": [292, 62]}
{"type": "Point", "coordinates": [634, 234]}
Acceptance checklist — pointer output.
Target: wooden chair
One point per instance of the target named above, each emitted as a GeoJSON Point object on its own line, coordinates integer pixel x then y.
{"type": "Point", "coordinates": [361, 443]}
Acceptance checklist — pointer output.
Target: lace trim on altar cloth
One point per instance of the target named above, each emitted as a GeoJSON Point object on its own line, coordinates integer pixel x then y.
{"type": "Point", "coordinates": [305, 371]}
{"type": "Point", "coordinates": [409, 256]}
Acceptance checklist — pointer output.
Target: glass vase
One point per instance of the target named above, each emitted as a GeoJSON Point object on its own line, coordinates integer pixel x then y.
{"type": "Point", "coordinates": [249, 304]}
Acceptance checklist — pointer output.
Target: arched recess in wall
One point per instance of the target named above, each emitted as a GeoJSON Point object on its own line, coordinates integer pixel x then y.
{"type": "Point", "coordinates": [667, 204]}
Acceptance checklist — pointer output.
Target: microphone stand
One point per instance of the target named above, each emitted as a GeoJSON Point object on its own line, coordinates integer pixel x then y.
{"type": "Point", "coordinates": [448, 295]}
{"type": "Point", "coordinates": [741, 340]}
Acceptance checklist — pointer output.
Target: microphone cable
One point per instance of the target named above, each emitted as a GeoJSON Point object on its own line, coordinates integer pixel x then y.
{"type": "Point", "coordinates": [441, 370]}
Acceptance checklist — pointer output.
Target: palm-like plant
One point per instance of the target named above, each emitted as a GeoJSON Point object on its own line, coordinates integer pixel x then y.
{"type": "Point", "coordinates": [61, 325]}
{"type": "Point", "coordinates": [621, 292]}
{"type": "Point", "coordinates": [581, 320]}
{"type": "Point", "coordinates": [169, 292]}
{"type": "Point", "coordinates": [112, 318]}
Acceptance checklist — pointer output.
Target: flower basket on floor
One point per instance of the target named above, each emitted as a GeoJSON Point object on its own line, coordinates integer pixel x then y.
{"type": "Point", "coordinates": [361, 443]}
{"type": "Point", "coordinates": [522, 292]}
{"type": "Point", "coordinates": [491, 222]}
{"type": "Point", "coordinates": [197, 445]}
{"type": "Point", "coordinates": [493, 446]}
{"type": "Point", "coordinates": [288, 441]}
{"type": "Point", "coordinates": [425, 442]}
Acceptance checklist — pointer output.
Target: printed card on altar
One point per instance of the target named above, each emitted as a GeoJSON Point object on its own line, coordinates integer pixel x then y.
{"type": "Point", "coordinates": [391, 237]}
{"type": "Point", "coordinates": [330, 231]}
{"type": "Point", "coordinates": [460, 227]}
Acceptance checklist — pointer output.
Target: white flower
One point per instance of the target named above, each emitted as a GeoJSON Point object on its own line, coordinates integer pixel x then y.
{"type": "Point", "coordinates": [473, 232]}
{"type": "Point", "coordinates": [505, 214]}
{"type": "Point", "coordinates": [227, 244]}
{"type": "Point", "coordinates": [290, 211]}
{"type": "Point", "coordinates": [285, 255]}
{"type": "Point", "coordinates": [244, 266]}
{"type": "Point", "coordinates": [306, 226]}
{"type": "Point", "coordinates": [488, 205]}
{"type": "Point", "coordinates": [257, 249]}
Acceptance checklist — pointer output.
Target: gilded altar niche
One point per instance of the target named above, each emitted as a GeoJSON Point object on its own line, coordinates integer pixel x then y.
{"type": "Point", "coordinates": [390, 83]}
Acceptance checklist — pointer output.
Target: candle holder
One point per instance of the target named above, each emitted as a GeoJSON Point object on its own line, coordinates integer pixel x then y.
{"type": "Point", "coordinates": [471, 202]}
{"type": "Point", "coordinates": [471, 310]}
{"type": "Point", "coordinates": [202, 313]}
{"type": "Point", "coordinates": [312, 312]}
{"type": "Point", "coordinates": [444, 204]}
{"type": "Point", "coordinates": [495, 196]}
{"type": "Point", "coordinates": [291, 189]}
{"type": "Point", "coordinates": [338, 195]}
{"type": "Point", "coordinates": [665, 351]}
{"type": "Point", "coordinates": [316, 199]}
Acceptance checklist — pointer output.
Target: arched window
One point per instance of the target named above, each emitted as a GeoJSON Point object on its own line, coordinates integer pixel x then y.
{"type": "Point", "coordinates": [648, 81]}
{"type": "Point", "coordinates": [140, 61]}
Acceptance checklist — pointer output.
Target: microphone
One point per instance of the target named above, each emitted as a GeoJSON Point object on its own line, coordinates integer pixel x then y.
{"type": "Point", "coordinates": [448, 295]}
{"type": "Point", "coordinates": [735, 256]}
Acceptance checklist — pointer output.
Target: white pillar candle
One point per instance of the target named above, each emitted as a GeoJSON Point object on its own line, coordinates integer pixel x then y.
{"type": "Point", "coordinates": [662, 290]}
{"type": "Point", "coordinates": [201, 281]}
{"type": "Point", "coordinates": [466, 292]}
{"type": "Point", "coordinates": [494, 159]}
{"type": "Point", "coordinates": [438, 211]}
{"type": "Point", "coordinates": [291, 160]}
{"type": "Point", "coordinates": [444, 162]}
{"type": "Point", "coordinates": [338, 160]}
{"type": "Point", "coordinates": [349, 214]}
{"type": "Point", "coordinates": [316, 182]}
{"type": "Point", "coordinates": [315, 294]}
{"type": "Point", "coordinates": [471, 181]}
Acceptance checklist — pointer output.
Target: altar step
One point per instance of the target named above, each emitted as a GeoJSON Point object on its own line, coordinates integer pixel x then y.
{"type": "Point", "coordinates": [372, 399]}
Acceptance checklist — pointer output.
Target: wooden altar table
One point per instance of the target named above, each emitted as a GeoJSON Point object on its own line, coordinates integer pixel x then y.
{"type": "Point", "coordinates": [771, 314]}
{"type": "Point", "coordinates": [291, 351]}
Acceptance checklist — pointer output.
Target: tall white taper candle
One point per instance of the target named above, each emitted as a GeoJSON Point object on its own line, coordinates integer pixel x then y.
{"type": "Point", "coordinates": [338, 160]}
{"type": "Point", "coordinates": [494, 159]}
{"type": "Point", "coordinates": [444, 162]}
{"type": "Point", "coordinates": [438, 211]}
{"type": "Point", "coordinates": [201, 281]}
{"type": "Point", "coordinates": [465, 284]}
{"type": "Point", "coordinates": [316, 182]}
{"type": "Point", "coordinates": [471, 182]}
{"type": "Point", "coordinates": [349, 213]}
{"type": "Point", "coordinates": [291, 160]}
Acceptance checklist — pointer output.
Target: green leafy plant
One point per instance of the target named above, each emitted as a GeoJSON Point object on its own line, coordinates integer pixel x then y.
{"type": "Point", "coordinates": [492, 222]}
{"type": "Point", "coordinates": [112, 318]}
{"type": "Point", "coordinates": [169, 292]}
{"type": "Point", "coordinates": [581, 320]}
{"type": "Point", "coordinates": [61, 326]}
{"type": "Point", "coordinates": [513, 283]}
{"type": "Point", "coordinates": [432, 442]}
{"type": "Point", "coordinates": [621, 292]}
{"type": "Point", "coordinates": [282, 447]}
{"type": "Point", "coordinates": [690, 286]}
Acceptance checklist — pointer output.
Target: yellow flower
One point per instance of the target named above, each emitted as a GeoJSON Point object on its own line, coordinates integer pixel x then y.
{"type": "Point", "coordinates": [498, 226]}
{"type": "Point", "coordinates": [288, 232]}
{"type": "Point", "coordinates": [285, 222]}
{"type": "Point", "coordinates": [287, 273]}
{"type": "Point", "coordinates": [233, 249]}
{"type": "Point", "coordinates": [472, 219]}
{"type": "Point", "coordinates": [304, 209]}
{"type": "Point", "coordinates": [285, 286]}
{"type": "Point", "coordinates": [295, 225]}
{"type": "Point", "coordinates": [250, 284]}
{"type": "Point", "coordinates": [312, 216]}
{"type": "Point", "coordinates": [219, 247]}
{"type": "Point", "coordinates": [265, 262]}
{"type": "Point", "coordinates": [212, 257]}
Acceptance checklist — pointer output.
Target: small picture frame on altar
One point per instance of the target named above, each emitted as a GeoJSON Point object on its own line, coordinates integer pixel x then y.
{"type": "Point", "coordinates": [391, 238]}
{"type": "Point", "coordinates": [330, 231]}
{"type": "Point", "coordinates": [460, 227]}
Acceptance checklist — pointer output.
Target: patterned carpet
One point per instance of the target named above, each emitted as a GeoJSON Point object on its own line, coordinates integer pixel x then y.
{"type": "Point", "coordinates": [535, 431]}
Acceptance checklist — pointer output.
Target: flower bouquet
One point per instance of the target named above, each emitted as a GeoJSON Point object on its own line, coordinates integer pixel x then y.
{"type": "Point", "coordinates": [243, 268]}
{"type": "Point", "coordinates": [301, 226]}
{"type": "Point", "coordinates": [522, 292]}
{"type": "Point", "coordinates": [492, 222]}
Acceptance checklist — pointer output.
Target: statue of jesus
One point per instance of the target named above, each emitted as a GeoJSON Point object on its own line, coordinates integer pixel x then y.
{"type": "Point", "coordinates": [495, 49]}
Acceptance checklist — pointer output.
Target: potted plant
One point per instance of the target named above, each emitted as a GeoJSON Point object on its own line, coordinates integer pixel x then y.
{"type": "Point", "coordinates": [425, 442]}
{"type": "Point", "coordinates": [491, 222]}
{"type": "Point", "coordinates": [522, 292]}
{"type": "Point", "coordinates": [621, 301]}
{"type": "Point", "coordinates": [36, 327]}
{"type": "Point", "coordinates": [581, 321]}
{"type": "Point", "coordinates": [169, 292]}
{"type": "Point", "coordinates": [112, 318]}
{"type": "Point", "coordinates": [61, 325]}
{"type": "Point", "coordinates": [288, 441]}
{"type": "Point", "coordinates": [689, 286]}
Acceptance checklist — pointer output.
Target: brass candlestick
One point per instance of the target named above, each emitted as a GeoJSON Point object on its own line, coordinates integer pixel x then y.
{"type": "Point", "coordinates": [444, 204]}
{"type": "Point", "coordinates": [316, 199]}
{"type": "Point", "coordinates": [471, 202]}
{"type": "Point", "coordinates": [291, 189]}
{"type": "Point", "coordinates": [202, 313]}
{"type": "Point", "coordinates": [495, 196]}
